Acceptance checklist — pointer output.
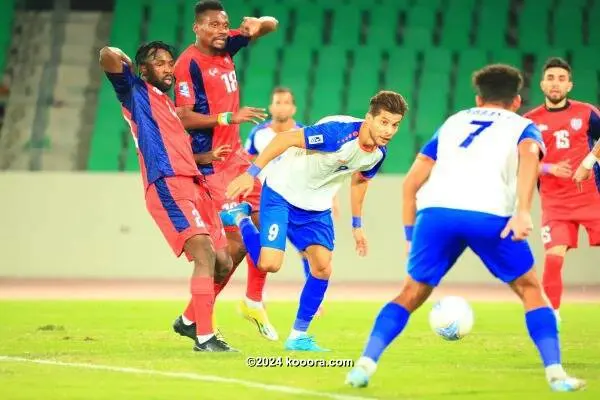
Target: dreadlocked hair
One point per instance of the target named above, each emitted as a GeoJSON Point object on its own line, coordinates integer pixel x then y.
{"type": "Point", "coordinates": [148, 50]}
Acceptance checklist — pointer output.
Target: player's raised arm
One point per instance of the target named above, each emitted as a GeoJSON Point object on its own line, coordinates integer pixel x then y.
{"type": "Point", "coordinates": [112, 59]}
{"type": "Point", "coordinates": [257, 27]}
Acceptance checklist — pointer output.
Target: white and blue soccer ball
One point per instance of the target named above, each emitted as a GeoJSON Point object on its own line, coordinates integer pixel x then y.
{"type": "Point", "coordinates": [451, 318]}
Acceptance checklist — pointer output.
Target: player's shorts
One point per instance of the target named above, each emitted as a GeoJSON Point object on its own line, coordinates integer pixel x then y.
{"type": "Point", "coordinates": [441, 235]}
{"type": "Point", "coordinates": [280, 219]}
{"type": "Point", "coordinates": [559, 232]}
{"type": "Point", "coordinates": [182, 208]}
{"type": "Point", "coordinates": [217, 185]}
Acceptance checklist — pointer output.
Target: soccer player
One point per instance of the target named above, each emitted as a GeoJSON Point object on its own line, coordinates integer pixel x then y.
{"type": "Point", "coordinates": [176, 195]}
{"type": "Point", "coordinates": [569, 129]}
{"type": "Point", "coordinates": [207, 100]}
{"type": "Point", "coordinates": [461, 192]}
{"type": "Point", "coordinates": [298, 195]}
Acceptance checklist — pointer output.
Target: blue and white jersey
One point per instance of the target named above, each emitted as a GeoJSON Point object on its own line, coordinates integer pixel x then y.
{"type": "Point", "coordinates": [310, 178]}
{"type": "Point", "coordinates": [258, 138]}
{"type": "Point", "coordinates": [477, 159]}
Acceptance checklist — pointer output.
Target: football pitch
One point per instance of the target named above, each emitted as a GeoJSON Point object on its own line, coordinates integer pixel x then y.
{"type": "Point", "coordinates": [109, 349]}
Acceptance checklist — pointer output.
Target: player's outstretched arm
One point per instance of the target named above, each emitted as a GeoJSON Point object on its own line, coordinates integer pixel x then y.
{"type": "Point", "coordinates": [257, 27]}
{"type": "Point", "coordinates": [243, 184]}
{"type": "Point", "coordinates": [195, 120]}
{"type": "Point", "coordinates": [112, 59]}
{"type": "Point", "coordinates": [413, 181]}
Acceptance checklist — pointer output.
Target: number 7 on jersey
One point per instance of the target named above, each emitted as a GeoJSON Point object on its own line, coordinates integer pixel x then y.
{"type": "Point", "coordinates": [483, 125]}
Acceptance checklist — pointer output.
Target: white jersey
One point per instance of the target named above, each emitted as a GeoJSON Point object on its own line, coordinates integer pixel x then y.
{"type": "Point", "coordinates": [310, 178]}
{"type": "Point", "coordinates": [258, 138]}
{"type": "Point", "coordinates": [476, 154]}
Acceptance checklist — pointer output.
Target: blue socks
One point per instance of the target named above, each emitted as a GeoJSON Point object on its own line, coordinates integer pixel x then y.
{"type": "Point", "coordinates": [541, 324]}
{"type": "Point", "coordinates": [306, 267]}
{"type": "Point", "coordinates": [251, 239]}
{"type": "Point", "coordinates": [310, 299]}
{"type": "Point", "coordinates": [389, 323]}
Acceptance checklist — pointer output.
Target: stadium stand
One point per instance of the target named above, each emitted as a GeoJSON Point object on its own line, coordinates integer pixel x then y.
{"type": "Point", "coordinates": [425, 49]}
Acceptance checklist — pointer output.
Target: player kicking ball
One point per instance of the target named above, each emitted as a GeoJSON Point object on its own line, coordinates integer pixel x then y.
{"type": "Point", "coordinates": [175, 191]}
{"type": "Point", "coordinates": [461, 193]}
{"type": "Point", "coordinates": [297, 196]}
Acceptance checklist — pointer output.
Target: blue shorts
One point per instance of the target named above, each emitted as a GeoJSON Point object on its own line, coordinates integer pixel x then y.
{"type": "Point", "coordinates": [280, 220]}
{"type": "Point", "coordinates": [441, 235]}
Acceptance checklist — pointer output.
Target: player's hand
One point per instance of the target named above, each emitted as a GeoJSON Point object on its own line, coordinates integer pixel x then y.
{"type": "Point", "coordinates": [361, 241]}
{"type": "Point", "coordinates": [520, 225]}
{"type": "Point", "coordinates": [250, 26]}
{"type": "Point", "coordinates": [562, 169]}
{"type": "Point", "coordinates": [221, 152]}
{"type": "Point", "coordinates": [249, 114]}
{"type": "Point", "coordinates": [582, 174]}
{"type": "Point", "coordinates": [242, 185]}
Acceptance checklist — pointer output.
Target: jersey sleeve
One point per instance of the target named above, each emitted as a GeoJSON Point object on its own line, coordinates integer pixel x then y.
{"type": "Point", "coordinates": [370, 173]}
{"type": "Point", "coordinates": [249, 145]}
{"type": "Point", "coordinates": [594, 124]}
{"type": "Point", "coordinates": [184, 86]}
{"type": "Point", "coordinates": [236, 42]}
{"type": "Point", "coordinates": [324, 137]}
{"type": "Point", "coordinates": [122, 83]}
{"type": "Point", "coordinates": [430, 148]}
{"type": "Point", "coordinates": [532, 132]}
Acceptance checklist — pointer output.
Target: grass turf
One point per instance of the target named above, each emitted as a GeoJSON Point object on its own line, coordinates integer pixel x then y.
{"type": "Point", "coordinates": [496, 361]}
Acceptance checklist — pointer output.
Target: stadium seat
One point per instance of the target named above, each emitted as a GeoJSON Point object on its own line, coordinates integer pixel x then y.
{"type": "Point", "coordinates": [422, 17]}
{"type": "Point", "coordinates": [584, 59]}
{"type": "Point", "coordinates": [437, 59]}
{"type": "Point", "coordinates": [493, 24]}
{"type": "Point", "coordinates": [457, 25]}
{"type": "Point", "coordinates": [329, 83]}
{"type": "Point", "coordinates": [401, 151]}
{"type": "Point", "coordinates": [533, 26]}
{"type": "Point", "coordinates": [570, 20]}
{"type": "Point", "coordinates": [383, 27]}
{"type": "Point", "coordinates": [469, 61]}
{"type": "Point", "coordinates": [432, 102]}
{"type": "Point", "coordinates": [586, 86]}
{"type": "Point", "coordinates": [417, 37]}
{"type": "Point", "coordinates": [594, 27]}
{"type": "Point", "coordinates": [364, 79]}
{"type": "Point", "coordinates": [401, 73]}
{"type": "Point", "coordinates": [344, 17]}
{"type": "Point", "coordinates": [163, 22]}
{"type": "Point", "coordinates": [508, 56]}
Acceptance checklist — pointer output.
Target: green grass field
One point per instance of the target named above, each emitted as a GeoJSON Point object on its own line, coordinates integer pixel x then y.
{"type": "Point", "coordinates": [497, 361]}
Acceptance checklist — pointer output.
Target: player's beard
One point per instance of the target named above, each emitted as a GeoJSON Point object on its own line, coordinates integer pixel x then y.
{"type": "Point", "coordinates": [281, 120]}
{"type": "Point", "coordinates": [555, 100]}
{"type": "Point", "coordinates": [160, 84]}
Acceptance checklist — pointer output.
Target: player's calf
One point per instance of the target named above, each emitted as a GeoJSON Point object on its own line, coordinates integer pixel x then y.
{"type": "Point", "coordinates": [543, 331]}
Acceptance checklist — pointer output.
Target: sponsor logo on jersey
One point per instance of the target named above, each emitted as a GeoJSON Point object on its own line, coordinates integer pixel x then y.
{"type": "Point", "coordinates": [315, 139]}
{"type": "Point", "coordinates": [184, 89]}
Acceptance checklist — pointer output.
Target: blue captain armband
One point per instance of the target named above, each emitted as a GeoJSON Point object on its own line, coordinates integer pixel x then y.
{"type": "Point", "coordinates": [408, 232]}
{"type": "Point", "coordinates": [253, 170]}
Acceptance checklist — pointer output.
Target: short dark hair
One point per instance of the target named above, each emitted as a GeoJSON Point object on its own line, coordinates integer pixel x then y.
{"type": "Point", "coordinates": [283, 89]}
{"type": "Point", "coordinates": [148, 50]}
{"type": "Point", "coordinates": [498, 83]}
{"type": "Point", "coordinates": [207, 5]}
{"type": "Point", "coordinates": [557, 62]}
{"type": "Point", "coordinates": [389, 101]}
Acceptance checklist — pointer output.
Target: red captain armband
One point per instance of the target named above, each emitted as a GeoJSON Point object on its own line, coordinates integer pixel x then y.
{"type": "Point", "coordinates": [253, 170]}
{"type": "Point", "coordinates": [408, 232]}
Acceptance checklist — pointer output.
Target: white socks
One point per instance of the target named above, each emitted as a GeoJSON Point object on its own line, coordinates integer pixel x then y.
{"type": "Point", "coordinates": [204, 338]}
{"type": "Point", "coordinates": [555, 371]}
{"type": "Point", "coordinates": [253, 304]}
{"type": "Point", "coordinates": [367, 364]}
{"type": "Point", "coordinates": [296, 334]}
{"type": "Point", "coordinates": [186, 321]}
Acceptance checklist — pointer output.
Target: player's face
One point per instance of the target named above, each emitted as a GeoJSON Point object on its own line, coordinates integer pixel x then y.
{"type": "Point", "coordinates": [212, 29]}
{"type": "Point", "coordinates": [383, 127]}
{"type": "Point", "coordinates": [282, 107]}
{"type": "Point", "coordinates": [556, 84]}
{"type": "Point", "coordinates": [158, 70]}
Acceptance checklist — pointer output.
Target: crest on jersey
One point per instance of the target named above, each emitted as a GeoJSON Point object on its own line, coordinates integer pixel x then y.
{"type": "Point", "coordinates": [184, 89]}
{"type": "Point", "coordinates": [576, 123]}
{"type": "Point", "coordinates": [213, 71]}
{"type": "Point", "coordinates": [315, 139]}
{"type": "Point", "coordinates": [542, 127]}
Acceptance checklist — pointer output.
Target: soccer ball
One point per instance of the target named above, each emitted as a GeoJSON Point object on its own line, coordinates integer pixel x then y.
{"type": "Point", "coordinates": [451, 318]}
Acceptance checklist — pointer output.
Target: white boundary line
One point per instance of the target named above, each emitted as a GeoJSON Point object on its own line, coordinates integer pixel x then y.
{"type": "Point", "coordinates": [188, 375]}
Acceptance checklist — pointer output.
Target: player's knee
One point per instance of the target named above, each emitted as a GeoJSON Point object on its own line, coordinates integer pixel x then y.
{"type": "Point", "coordinates": [200, 248]}
{"type": "Point", "coordinates": [560, 250]}
{"type": "Point", "coordinates": [269, 265]}
{"type": "Point", "coordinates": [321, 270]}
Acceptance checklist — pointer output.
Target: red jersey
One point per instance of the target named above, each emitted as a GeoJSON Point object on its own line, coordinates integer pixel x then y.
{"type": "Point", "coordinates": [163, 145]}
{"type": "Point", "coordinates": [209, 83]}
{"type": "Point", "coordinates": [569, 133]}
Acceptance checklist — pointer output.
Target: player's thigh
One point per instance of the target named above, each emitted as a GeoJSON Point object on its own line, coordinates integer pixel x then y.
{"type": "Point", "coordinates": [506, 259]}
{"type": "Point", "coordinates": [592, 228]}
{"type": "Point", "coordinates": [555, 233]}
{"type": "Point", "coordinates": [171, 205]}
{"type": "Point", "coordinates": [435, 247]}
{"type": "Point", "coordinates": [273, 217]}
{"type": "Point", "coordinates": [206, 213]}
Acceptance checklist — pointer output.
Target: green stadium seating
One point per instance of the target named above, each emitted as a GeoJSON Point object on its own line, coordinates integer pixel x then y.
{"type": "Point", "coordinates": [7, 10]}
{"type": "Point", "coordinates": [457, 17]}
{"type": "Point", "coordinates": [364, 79]}
{"type": "Point", "coordinates": [422, 17]}
{"type": "Point", "coordinates": [594, 26]}
{"type": "Point", "coordinates": [570, 21]}
{"type": "Point", "coordinates": [344, 17]}
{"type": "Point", "coordinates": [492, 26]}
{"type": "Point", "coordinates": [469, 61]}
{"type": "Point", "coordinates": [584, 59]}
{"type": "Point", "coordinates": [329, 83]}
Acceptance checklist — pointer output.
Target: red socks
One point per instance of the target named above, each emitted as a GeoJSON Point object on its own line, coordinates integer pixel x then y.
{"type": "Point", "coordinates": [220, 286]}
{"type": "Point", "coordinates": [203, 299]}
{"type": "Point", "coordinates": [256, 281]}
{"type": "Point", "coordinates": [552, 279]}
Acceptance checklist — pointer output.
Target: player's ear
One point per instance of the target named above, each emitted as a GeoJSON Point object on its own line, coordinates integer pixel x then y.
{"type": "Point", "coordinates": [478, 101]}
{"type": "Point", "coordinates": [570, 87]}
{"type": "Point", "coordinates": [516, 104]}
{"type": "Point", "coordinates": [195, 28]}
